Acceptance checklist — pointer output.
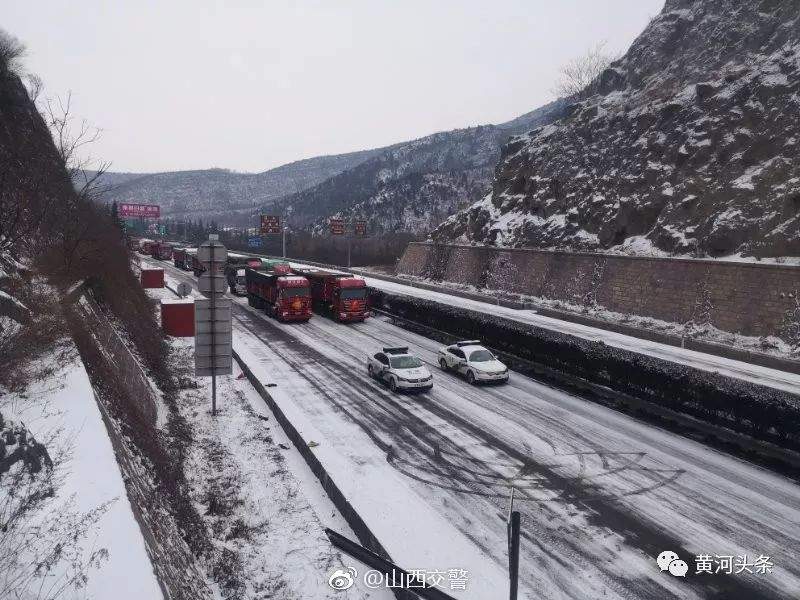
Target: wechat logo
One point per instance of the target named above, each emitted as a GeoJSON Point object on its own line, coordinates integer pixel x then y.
{"type": "Point", "coordinates": [669, 561]}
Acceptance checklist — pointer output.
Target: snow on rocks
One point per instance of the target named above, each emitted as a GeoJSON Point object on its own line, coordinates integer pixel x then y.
{"type": "Point", "coordinates": [695, 123]}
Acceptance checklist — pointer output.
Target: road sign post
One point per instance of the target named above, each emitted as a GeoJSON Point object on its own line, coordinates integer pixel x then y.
{"type": "Point", "coordinates": [512, 530]}
{"type": "Point", "coordinates": [337, 226]}
{"type": "Point", "coordinates": [212, 317]}
{"type": "Point", "coordinates": [270, 224]}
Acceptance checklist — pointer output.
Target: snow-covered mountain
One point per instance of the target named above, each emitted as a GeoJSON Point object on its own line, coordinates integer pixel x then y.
{"type": "Point", "coordinates": [414, 186]}
{"type": "Point", "coordinates": [690, 145]}
{"type": "Point", "coordinates": [411, 186]}
{"type": "Point", "coordinates": [223, 195]}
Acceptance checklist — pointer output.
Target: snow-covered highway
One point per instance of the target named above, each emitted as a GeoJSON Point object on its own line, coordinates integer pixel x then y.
{"type": "Point", "coordinates": [601, 494]}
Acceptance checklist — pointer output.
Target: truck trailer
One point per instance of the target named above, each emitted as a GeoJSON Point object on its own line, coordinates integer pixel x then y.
{"type": "Point", "coordinates": [283, 296]}
{"type": "Point", "coordinates": [161, 251]}
{"type": "Point", "coordinates": [195, 266]}
{"type": "Point", "coordinates": [234, 271]}
{"type": "Point", "coordinates": [341, 296]}
{"type": "Point", "coordinates": [179, 258]}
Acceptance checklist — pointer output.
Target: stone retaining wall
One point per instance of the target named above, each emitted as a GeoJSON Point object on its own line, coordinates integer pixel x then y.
{"type": "Point", "coordinates": [746, 298]}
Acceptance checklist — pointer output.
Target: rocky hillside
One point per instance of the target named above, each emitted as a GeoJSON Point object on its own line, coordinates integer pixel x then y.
{"type": "Point", "coordinates": [414, 186]}
{"type": "Point", "coordinates": [224, 195]}
{"type": "Point", "coordinates": [689, 146]}
{"type": "Point", "coordinates": [411, 186]}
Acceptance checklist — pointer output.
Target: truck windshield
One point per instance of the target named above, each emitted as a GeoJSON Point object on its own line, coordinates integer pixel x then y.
{"type": "Point", "coordinates": [405, 362]}
{"type": "Point", "coordinates": [481, 356]}
{"type": "Point", "coordinates": [353, 294]}
{"type": "Point", "coordinates": [294, 292]}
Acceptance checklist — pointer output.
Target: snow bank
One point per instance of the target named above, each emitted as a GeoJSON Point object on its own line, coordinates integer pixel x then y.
{"type": "Point", "coordinates": [66, 401]}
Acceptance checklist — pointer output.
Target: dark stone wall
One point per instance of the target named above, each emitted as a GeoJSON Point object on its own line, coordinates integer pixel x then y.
{"type": "Point", "coordinates": [744, 298]}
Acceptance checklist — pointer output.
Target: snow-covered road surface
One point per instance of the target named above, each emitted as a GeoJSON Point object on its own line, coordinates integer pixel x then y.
{"type": "Point", "coordinates": [601, 494]}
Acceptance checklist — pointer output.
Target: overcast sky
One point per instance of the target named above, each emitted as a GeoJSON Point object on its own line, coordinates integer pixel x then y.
{"type": "Point", "coordinates": [250, 85]}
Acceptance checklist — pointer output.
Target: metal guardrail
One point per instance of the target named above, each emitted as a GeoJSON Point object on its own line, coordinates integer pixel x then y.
{"type": "Point", "coordinates": [620, 400]}
{"type": "Point", "coordinates": [343, 505]}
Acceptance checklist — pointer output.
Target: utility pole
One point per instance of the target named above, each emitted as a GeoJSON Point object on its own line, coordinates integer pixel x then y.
{"type": "Point", "coordinates": [284, 237]}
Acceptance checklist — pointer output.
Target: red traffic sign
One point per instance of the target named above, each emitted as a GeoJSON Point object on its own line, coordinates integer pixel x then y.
{"type": "Point", "coordinates": [270, 224]}
{"type": "Point", "coordinates": [360, 228]}
{"type": "Point", "coordinates": [127, 210]}
{"type": "Point", "coordinates": [337, 226]}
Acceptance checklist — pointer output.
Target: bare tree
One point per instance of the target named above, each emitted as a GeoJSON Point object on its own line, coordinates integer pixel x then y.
{"type": "Point", "coordinates": [34, 85]}
{"type": "Point", "coordinates": [70, 139]}
{"type": "Point", "coordinates": [578, 78]}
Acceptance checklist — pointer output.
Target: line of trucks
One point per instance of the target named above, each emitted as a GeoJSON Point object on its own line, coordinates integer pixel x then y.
{"type": "Point", "coordinates": [290, 293]}
{"type": "Point", "coordinates": [284, 292]}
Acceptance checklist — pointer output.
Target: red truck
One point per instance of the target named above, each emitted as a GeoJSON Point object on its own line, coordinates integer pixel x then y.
{"type": "Point", "coordinates": [339, 295]}
{"type": "Point", "coordinates": [283, 296]}
{"type": "Point", "coordinates": [194, 265]}
{"type": "Point", "coordinates": [180, 258]}
{"type": "Point", "coordinates": [161, 251]}
{"type": "Point", "coordinates": [146, 247]}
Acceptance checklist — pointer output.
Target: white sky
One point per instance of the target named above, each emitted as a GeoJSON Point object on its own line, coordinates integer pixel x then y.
{"type": "Point", "coordinates": [250, 85]}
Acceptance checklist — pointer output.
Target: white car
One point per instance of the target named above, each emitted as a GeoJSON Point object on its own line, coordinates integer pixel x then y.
{"type": "Point", "coordinates": [473, 361]}
{"type": "Point", "coordinates": [399, 369]}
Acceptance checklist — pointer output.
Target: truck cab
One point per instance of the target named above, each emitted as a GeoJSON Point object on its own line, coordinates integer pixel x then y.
{"type": "Point", "coordinates": [349, 299]}
{"type": "Point", "coordinates": [161, 251]}
{"type": "Point", "coordinates": [281, 295]}
{"type": "Point", "coordinates": [340, 295]}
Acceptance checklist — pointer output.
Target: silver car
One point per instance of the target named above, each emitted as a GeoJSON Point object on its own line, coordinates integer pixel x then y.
{"type": "Point", "coordinates": [472, 360]}
{"type": "Point", "coordinates": [399, 369]}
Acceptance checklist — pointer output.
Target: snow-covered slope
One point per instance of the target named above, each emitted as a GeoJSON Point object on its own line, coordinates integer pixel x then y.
{"type": "Point", "coordinates": [691, 143]}
{"type": "Point", "coordinates": [410, 186]}
{"type": "Point", "coordinates": [414, 186]}
{"type": "Point", "coordinates": [222, 194]}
